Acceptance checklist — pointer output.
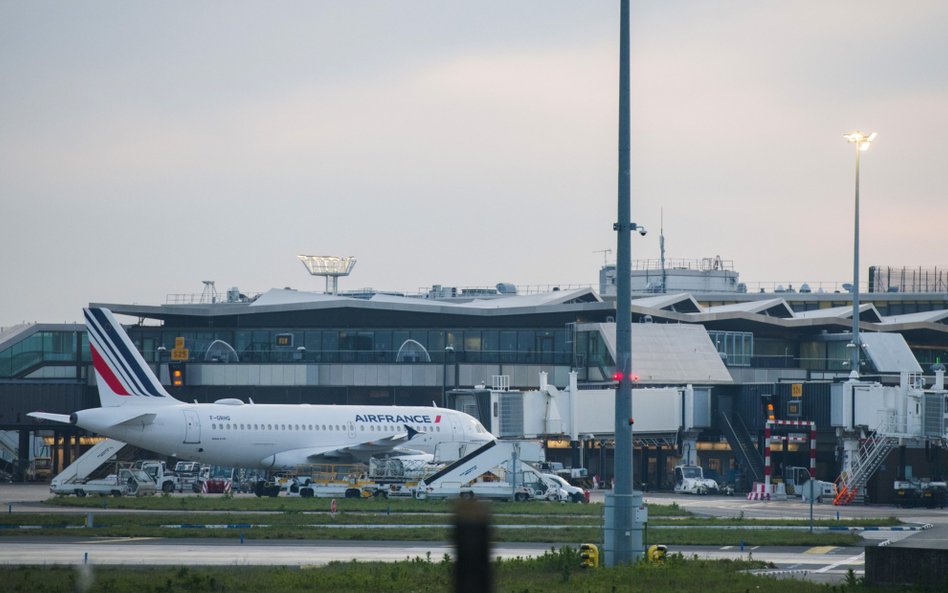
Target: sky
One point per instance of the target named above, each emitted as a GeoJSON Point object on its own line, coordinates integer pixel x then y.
{"type": "Point", "coordinates": [148, 146]}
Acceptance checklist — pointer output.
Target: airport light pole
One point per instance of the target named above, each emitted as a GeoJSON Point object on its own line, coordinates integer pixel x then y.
{"type": "Point", "coordinates": [862, 142]}
{"type": "Point", "coordinates": [623, 527]}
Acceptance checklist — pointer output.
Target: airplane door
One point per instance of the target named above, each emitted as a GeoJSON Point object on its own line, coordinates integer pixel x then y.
{"type": "Point", "coordinates": [457, 432]}
{"type": "Point", "coordinates": [352, 430]}
{"type": "Point", "coordinates": [192, 428]}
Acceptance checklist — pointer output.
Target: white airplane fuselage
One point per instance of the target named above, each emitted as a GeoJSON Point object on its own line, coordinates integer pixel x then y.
{"type": "Point", "coordinates": [278, 436]}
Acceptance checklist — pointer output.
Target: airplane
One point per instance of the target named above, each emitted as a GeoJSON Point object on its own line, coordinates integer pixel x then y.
{"type": "Point", "coordinates": [136, 409]}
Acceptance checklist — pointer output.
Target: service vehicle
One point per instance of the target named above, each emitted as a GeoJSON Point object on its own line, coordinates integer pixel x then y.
{"type": "Point", "coordinates": [566, 492]}
{"type": "Point", "coordinates": [918, 493]}
{"type": "Point", "coordinates": [40, 469]}
{"type": "Point", "coordinates": [216, 479]}
{"type": "Point", "coordinates": [189, 476]}
{"type": "Point", "coordinates": [496, 470]}
{"type": "Point", "coordinates": [689, 479]}
{"type": "Point", "coordinates": [797, 483]}
{"type": "Point", "coordinates": [127, 481]}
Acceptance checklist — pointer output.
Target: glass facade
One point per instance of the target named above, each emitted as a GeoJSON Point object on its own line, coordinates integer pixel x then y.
{"type": "Point", "coordinates": [378, 346]}
{"type": "Point", "coordinates": [41, 348]}
{"type": "Point", "coordinates": [737, 347]}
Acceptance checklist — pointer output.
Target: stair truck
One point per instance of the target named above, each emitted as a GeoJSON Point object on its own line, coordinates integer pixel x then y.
{"type": "Point", "coordinates": [126, 481]}
{"type": "Point", "coordinates": [486, 473]}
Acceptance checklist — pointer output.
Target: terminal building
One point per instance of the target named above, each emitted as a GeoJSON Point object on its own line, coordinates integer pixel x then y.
{"type": "Point", "coordinates": [714, 361]}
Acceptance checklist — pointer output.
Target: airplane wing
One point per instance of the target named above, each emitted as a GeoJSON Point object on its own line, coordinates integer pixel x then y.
{"type": "Point", "coordinates": [363, 451]}
{"type": "Point", "coordinates": [359, 451]}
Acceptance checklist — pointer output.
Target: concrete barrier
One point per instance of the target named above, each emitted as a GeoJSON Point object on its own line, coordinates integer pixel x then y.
{"type": "Point", "coordinates": [892, 565]}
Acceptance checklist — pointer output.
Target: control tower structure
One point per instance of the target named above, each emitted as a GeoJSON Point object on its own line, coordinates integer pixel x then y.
{"type": "Point", "coordinates": [329, 266]}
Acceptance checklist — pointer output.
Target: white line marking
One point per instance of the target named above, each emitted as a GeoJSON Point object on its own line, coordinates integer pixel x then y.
{"type": "Point", "coordinates": [850, 560]}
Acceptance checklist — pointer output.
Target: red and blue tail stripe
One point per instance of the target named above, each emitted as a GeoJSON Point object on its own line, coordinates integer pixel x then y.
{"type": "Point", "coordinates": [116, 360]}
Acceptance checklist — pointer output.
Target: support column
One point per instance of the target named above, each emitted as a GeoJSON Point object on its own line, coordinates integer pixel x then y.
{"type": "Point", "coordinates": [574, 453]}
{"type": "Point", "coordinates": [23, 454]}
{"type": "Point", "coordinates": [850, 452]}
{"type": "Point", "coordinates": [66, 450]}
{"type": "Point", "coordinates": [643, 471]}
{"type": "Point", "coordinates": [902, 463]}
{"type": "Point", "coordinates": [602, 463]}
{"type": "Point", "coordinates": [689, 447]}
{"type": "Point", "coordinates": [767, 468]}
{"type": "Point", "coordinates": [54, 452]}
{"type": "Point", "coordinates": [659, 467]}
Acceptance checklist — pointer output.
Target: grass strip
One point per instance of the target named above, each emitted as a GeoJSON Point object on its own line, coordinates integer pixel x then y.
{"type": "Point", "coordinates": [557, 571]}
{"type": "Point", "coordinates": [242, 503]}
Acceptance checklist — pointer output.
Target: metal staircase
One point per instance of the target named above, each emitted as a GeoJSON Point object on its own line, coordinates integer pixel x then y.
{"type": "Point", "coordinates": [743, 446]}
{"type": "Point", "coordinates": [872, 452]}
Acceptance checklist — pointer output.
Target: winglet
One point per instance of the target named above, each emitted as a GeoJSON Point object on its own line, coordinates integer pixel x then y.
{"type": "Point", "coordinates": [411, 432]}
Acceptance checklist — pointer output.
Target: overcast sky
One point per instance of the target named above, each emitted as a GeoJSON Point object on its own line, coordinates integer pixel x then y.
{"type": "Point", "coordinates": [147, 146]}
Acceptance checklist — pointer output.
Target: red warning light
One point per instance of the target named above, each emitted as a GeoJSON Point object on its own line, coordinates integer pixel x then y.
{"type": "Point", "coordinates": [617, 376]}
{"type": "Point", "coordinates": [635, 378]}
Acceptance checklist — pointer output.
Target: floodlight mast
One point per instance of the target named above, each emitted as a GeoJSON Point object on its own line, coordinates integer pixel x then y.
{"type": "Point", "coordinates": [862, 142]}
{"type": "Point", "coordinates": [329, 266]}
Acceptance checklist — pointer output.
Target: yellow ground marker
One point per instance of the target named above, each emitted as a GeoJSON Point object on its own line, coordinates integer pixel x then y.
{"type": "Point", "coordinates": [820, 550]}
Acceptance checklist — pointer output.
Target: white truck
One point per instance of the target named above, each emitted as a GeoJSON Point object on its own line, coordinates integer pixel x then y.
{"type": "Point", "coordinates": [564, 491]}
{"type": "Point", "coordinates": [797, 483]}
{"type": "Point", "coordinates": [189, 476]}
{"type": "Point", "coordinates": [689, 479]}
{"type": "Point", "coordinates": [167, 480]}
{"type": "Point", "coordinates": [126, 481]}
{"type": "Point", "coordinates": [497, 470]}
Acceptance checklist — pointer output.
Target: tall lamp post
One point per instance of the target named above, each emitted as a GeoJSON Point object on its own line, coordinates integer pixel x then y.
{"type": "Point", "coordinates": [623, 512]}
{"type": "Point", "coordinates": [862, 142]}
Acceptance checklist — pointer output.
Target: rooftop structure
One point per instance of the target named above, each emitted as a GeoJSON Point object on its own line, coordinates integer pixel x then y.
{"type": "Point", "coordinates": [329, 266]}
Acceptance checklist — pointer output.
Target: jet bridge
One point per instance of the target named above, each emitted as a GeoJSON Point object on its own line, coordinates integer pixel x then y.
{"type": "Point", "coordinates": [873, 419]}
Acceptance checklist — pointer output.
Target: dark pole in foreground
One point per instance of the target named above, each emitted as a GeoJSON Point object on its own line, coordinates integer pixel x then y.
{"type": "Point", "coordinates": [623, 533]}
{"type": "Point", "coordinates": [472, 570]}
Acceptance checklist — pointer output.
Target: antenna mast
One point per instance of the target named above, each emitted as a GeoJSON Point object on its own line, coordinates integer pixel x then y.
{"type": "Point", "coordinates": [661, 246]}
{"type": "Point", "coordinates": [605, 255]}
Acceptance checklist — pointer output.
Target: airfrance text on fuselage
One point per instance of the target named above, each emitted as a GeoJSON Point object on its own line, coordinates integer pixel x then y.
{"type": "Point", "coordinates": [376, 418]}
{"type": "Point", "coordinates": [392, 418]}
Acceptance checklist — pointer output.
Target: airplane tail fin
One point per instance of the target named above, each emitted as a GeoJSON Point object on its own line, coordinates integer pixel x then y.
{"type": "Point", "coordinates": [122, 375]}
